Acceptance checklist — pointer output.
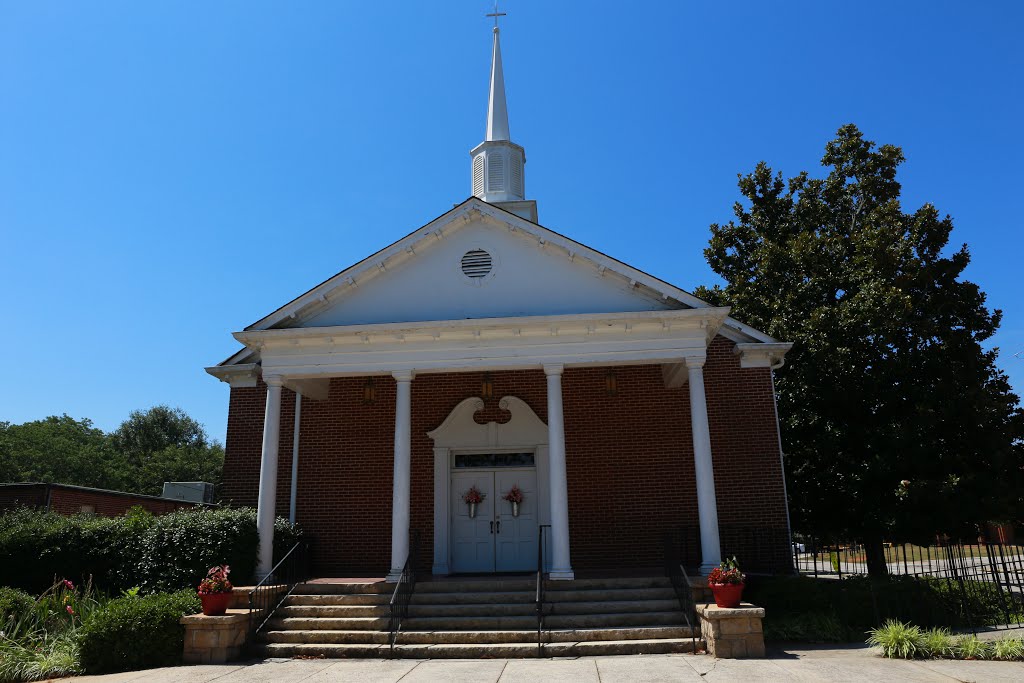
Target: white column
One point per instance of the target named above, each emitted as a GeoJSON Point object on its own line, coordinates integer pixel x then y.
{"type": "Point", "coordinates": [561, 568]}
{"type": "Point", "coordinates": [707, 506]}
{"type": "Point", "coordinates": [400, 496]}
{"type": "Point", "coordinates": [295, 457]}
{"type": "Point", "coordinates": [265, 506]}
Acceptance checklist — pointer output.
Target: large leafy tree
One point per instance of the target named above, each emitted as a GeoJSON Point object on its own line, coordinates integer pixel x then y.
{"type": "Point", "coordinates": [63, 450]}
{"type": "Point", "coordinates": [895, 418]}
{"type": "Point", "coordinates": [165, 444]}
{"type": "Point", "coordinates": [150, 447]}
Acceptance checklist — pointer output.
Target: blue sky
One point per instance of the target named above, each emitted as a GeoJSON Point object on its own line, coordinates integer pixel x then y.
{"type": "Point", "coordinates": [171, 172]}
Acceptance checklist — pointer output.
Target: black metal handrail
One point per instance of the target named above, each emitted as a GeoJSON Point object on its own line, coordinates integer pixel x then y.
{"type": "Point", "coordinates": [540, 588]}
{"type": "Point", "coordinates": [681, 584]}
{"type": "Point", "coordinates": [402, 594]}
{"type": "Point", "coordinates": [268, 594]}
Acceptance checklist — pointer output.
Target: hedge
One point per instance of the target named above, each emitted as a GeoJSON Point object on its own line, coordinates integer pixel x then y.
{"type": "Point", "coordinates": [13, 605]}
{"type": "Point", "coordinates": [165, 553]}
{"type": "Point", "coordinates": [830, 610]}
{"type": "Point", "coordinates": [136, 632]}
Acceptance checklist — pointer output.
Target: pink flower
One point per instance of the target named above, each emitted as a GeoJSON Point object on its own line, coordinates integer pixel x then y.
{"type": "Point", "coordinates": [70, 586]}
{"type": "Point", "coordinates": [70, 611]}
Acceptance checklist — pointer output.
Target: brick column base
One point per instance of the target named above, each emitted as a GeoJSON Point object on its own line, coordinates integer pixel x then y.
{"type": "Point", "coordinates": [732, 633]}
{"type": "Point", "coordinates": [215, 640]}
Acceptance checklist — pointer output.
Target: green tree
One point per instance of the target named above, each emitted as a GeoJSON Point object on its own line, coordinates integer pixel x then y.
{"type": "Point", "coordinates": [894, 416]}
{"type": "Point", "coordinates": [165, 444]}
{"type": "Point", "coordinates": [150, 447]}
{"type": "Point", "coordinates": [61, 450]}
{"type": "Point", "coordinates": [160, 427]}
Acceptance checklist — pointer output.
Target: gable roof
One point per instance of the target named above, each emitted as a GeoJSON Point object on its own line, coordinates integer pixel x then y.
{"type": "Point", "coordinates": [331, 291]}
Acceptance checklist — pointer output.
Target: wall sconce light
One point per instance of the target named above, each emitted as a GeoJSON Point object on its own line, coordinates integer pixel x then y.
{"type": "Point", "coordinates": [611, 383]}
{"type": "Point", "coordinates": [369, 391]}
{"type": "Point", "coordinates": [487, 388]}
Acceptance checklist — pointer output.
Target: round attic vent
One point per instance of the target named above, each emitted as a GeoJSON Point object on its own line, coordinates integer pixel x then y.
{"type": "Point", "coordinates": [476, 263]}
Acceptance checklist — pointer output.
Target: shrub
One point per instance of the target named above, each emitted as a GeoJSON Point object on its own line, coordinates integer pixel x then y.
{"type": "Point", "coordinates": [897, 640]}
{"type": "Point", "coordinates": [810, 627]}
{"type": "Point", "coordinates": [1008, 649]}
{"type": "Point", "coordinates": [971, 647]}
{"type": "Point", "coordinates": [861, 603]}
{"type": "Point", "coordinates": [41, 547]}
{"type": "Point", "coordinates": [164, 553]}
{"type": "Point", "coordinates": [13, 605]}
{"type": "Point", "coordinates": [937, 642]}
{"type": "Point", "coordinates": [136, 632]}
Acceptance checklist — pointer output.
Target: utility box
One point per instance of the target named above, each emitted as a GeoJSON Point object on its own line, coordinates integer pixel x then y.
{"type": "Point", "coordinates": [192, 491]}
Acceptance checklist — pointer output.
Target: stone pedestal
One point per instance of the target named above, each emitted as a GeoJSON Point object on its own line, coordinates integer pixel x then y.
{"type": "Point", "coordinates": [732, 633]}
{"type": "Point", "coordinates": [215, 640]}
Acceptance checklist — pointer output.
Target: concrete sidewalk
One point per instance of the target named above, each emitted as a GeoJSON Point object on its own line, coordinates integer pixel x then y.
{"type": "Point", "coordinates": [804, 663]}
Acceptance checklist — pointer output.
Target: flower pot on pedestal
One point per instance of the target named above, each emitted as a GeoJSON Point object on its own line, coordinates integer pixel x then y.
{"type": "Point", "coordinates": [215, 604]}
{"type": "Point", "coordinates": [727, 594]}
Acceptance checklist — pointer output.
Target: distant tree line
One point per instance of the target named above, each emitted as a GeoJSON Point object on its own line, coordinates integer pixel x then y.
{"type": "Point", "coordinates": [150, 447]}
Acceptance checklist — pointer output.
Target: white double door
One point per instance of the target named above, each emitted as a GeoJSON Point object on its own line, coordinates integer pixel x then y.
{"type": "Point", "coordinates": [494, 540]}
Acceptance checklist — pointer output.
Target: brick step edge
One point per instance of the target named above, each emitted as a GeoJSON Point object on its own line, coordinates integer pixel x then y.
{"type": "Point", "coordinates": [353, 637]}
{"type": "Point", "coordinates": [483, 651]}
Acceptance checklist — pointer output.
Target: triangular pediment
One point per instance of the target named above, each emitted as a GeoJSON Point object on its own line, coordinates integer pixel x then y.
{"type": "Point", "coordinates": [428, 276]}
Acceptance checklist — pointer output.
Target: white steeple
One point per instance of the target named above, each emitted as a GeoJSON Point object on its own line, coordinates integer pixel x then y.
{"type": "Point", "coordinates": [498, 162]}
{"type": "Point", "coordinates": [497, 110]}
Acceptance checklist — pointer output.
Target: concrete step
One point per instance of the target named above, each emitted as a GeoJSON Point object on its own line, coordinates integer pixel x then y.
{"type": "Point", "coordinates": [482, 598]}
{"type": "Point", "coordinates": [333, 611]}
{"type": "Point", "coordinates": [606, 594]}
{"type": "Point", "coordinates": [348, 588]}
{"type": "Point", "coordinates": [335, 599]}
{"type": "Point", "coordinates": [325, 637]}
{"type": "Point", "coordinates": [554, 596]}
{"type": "Point", "coordinates": [475, 637]}
{"type": "Point", "coordinates": [529, 608]}
{"type": "Point", "coordinates": [333, 624]}
{"type": "Point", "coordinates": [479, 651]}
{"type": "Point", "coordinates": [499, 622]}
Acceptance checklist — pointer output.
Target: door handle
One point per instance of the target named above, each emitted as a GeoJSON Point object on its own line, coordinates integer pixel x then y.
{"type": "Point", "coordinates": [499, 526]}
{"type": "Point", "coordinates": [492, 526]}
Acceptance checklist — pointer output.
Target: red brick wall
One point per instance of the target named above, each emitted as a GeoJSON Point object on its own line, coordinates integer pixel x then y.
{"type": "Point", "coordinates": [629, 459]}
{"type": "Point", "coordinates": [67, 500]}
{"type": "Point", "coordinates": [109, 504]}
{"type": "Point", "coordinates": [17, 496]}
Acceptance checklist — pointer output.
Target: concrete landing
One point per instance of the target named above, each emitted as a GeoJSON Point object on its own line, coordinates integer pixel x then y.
{"type": "Point", "coordinates": [856, 664]}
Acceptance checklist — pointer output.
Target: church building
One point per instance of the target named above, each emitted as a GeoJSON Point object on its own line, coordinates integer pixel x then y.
{"type": "Point", "coordinates": [486, 384]}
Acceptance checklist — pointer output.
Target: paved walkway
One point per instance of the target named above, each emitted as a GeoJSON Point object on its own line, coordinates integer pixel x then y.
{"type": "Point", "coordinates": [805, 664]}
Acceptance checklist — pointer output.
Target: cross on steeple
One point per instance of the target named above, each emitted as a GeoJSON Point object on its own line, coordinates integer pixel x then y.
{"type": "Point", "coordinates": [496, 14]}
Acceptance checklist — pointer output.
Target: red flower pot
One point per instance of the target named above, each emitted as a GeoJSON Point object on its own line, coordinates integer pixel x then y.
{"type": "Point", "coordinates": [727, 594]}
{"type": "Point", "coordinates": [215, 604]}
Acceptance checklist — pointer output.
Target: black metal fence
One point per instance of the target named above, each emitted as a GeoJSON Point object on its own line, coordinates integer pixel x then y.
{"type": "Point", "coordinates": [949, 583]}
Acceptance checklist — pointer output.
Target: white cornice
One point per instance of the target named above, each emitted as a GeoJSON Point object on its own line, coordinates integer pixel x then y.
{"type": "Point", "coordinates": [709, 320]}
{"type": "Point", "coordinates": [496, 344]}
{"type": "Point", "coordinates": [763, 355]}
{"type": "Point", "coordinates": [243, 375]}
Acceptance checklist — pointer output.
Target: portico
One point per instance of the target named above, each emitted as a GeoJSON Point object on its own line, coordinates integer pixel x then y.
{"type": "Point", "coordinates": [303, 359]}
